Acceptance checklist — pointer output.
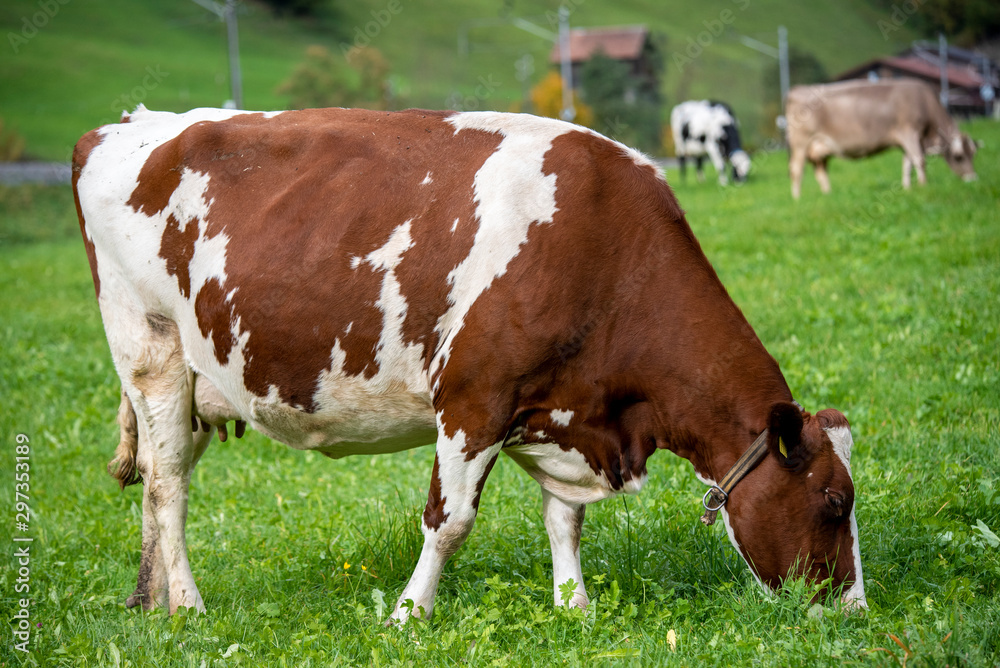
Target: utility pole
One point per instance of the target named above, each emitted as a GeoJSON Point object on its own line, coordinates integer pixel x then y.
{"type": "Point", "coordinates": [566, 65]}
{"type": "Point", "coordinates": [943, 62]}
{"type": "Point", "coordinates": [227, 13]}
{"type": "Point", "coordinates": [780, 54]}
{"type": "Point", "coordinates": [568, 113]}
{"type": "Point", "coordinates": [783, 63]}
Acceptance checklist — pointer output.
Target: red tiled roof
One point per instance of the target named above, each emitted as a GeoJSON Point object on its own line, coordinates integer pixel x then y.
{"type": "Point", "coordinates": [620, 43]}
{"type": "Point", "coordinates": [957, 76]}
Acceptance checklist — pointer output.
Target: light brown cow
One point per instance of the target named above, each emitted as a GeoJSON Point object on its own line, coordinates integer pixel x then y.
{"type": "Point", "coordinates": [856, 119]}
{"type": "Point", "coordinates": [357, 282]}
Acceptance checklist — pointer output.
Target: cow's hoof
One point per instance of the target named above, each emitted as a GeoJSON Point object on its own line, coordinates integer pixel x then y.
{"type": "Point", "coordinates": [139, 599]}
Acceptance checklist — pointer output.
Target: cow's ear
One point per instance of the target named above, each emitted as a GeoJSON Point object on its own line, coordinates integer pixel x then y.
{"type": "Point", "coordinates": [785, 436]}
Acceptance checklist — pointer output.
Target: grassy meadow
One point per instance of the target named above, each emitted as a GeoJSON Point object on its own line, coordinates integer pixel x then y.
{"type": "Point", "coordinates": [879, 302]}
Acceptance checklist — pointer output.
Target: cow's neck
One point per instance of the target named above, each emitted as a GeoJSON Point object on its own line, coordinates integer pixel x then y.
{"type": "Point", "coordinates": [711, 381]}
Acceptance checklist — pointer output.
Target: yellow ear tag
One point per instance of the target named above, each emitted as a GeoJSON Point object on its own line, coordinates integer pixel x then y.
{"type": "Point", "coordinates": [781, 447]}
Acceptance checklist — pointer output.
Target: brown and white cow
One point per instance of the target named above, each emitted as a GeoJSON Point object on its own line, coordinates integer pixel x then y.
{"type": "Point", "coordinates": [856, 119]}
{"type": "Point", "coordinates": [359, 282]}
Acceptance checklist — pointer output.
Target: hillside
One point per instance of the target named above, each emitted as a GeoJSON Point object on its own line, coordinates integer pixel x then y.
{"type": "Point", "coordinates": [88, 60]}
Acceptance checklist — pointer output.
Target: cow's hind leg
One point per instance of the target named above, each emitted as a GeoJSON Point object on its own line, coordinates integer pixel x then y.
{"type": "Point", "coordinates": [913, 155]}
{"type": "Point", "coordinates": [149, 359]}
{"type": "Point", "coordinates": [151, 585]}
{"type": "Point", "coordinates": [461, 466]}
{"type": "Point", "coordinates": [167, 455]}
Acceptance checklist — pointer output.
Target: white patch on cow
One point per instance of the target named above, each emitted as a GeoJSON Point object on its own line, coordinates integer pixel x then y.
{"type": "Point", "coordinates": [388, 256]}
{"type": "Point", "coordinates": [563, 522]}
{"type": "Point", "coordinates": [454, 226]}
{"type": "Point", "coordinates": [459, 476]}
{"type": "Point", "coordinates": [427, 179]}
{"type": "Point", "coordinates": [347, 330]}
{"type": "Point", "coordinates": [706, 480]}
{"type": "Point", "coordinates": [739, 550]}
{"type": "Point", "coordinates": [842, 441]}
{"type": "Point", "coordinates": [566, 473]}
{"type": "Point", "coordinates": [208, 261]}
{"type": "Point", "coordinates": [634, 485]}
{"type": "Point", "coordinates": [561, 417]}
{"type": "Point", "coordinates": [511, 194]}
{"type": "Point", "coordinates": [741, 161]}
{"type": "Point", "coordinates": [355, 262]}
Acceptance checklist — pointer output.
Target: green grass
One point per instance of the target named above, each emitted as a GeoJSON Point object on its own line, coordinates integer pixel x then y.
{"type": "Point", "coordinates": [73, 74]}
{"type": "Point", "coordinates": [879, 302]}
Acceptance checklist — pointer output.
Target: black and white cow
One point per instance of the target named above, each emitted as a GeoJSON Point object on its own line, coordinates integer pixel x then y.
{"type": "Point", "coordinates": [706, 127]}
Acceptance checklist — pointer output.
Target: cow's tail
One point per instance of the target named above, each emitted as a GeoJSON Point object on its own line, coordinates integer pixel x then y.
{"type": "Point", "coordinates": [123, 466]}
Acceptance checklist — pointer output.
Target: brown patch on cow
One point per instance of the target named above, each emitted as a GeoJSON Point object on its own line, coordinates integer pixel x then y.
{"type": "Point", "coordinates": [215, 318]}
{"type": "Point", "coordinates": [482, 482]}
{"type": "Point", "coordinates": [147, 561]}
{"type": "Point", "coordinates": [303, 199]}
{"type": "Point", "coordinates": [177, 248]}
{"type": "Point", "coordinates": [81, 152]}
{"type": "Point", "coordinates": [434, 514]}
{"type": "Point", "coordinates": [158, 179]}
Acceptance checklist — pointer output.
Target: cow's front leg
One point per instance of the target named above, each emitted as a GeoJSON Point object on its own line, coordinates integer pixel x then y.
{"type": "Point", "coordinates": [822, 176]}
{"type": "Point", "coordinates": [564, 524]}
{"type": "Point", "coordinates": [460, 471]}
{"type": "Point", "coordinates": [907, 168]}
{"type": "Point", "coordinates": [913, 155]}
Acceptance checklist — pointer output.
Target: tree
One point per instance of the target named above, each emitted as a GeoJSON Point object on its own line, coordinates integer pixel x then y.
{"type": "Point", "coordinates": [547, 99]}
{"type": "Point", "coordinates": [296, 7]}
{"type": "Point", "coordinates": [966, 22]}
{"type": "Point", "coordinates": [373, 73]}
{"type": "Point", "coordinates": [323, 80]}
{"type": "Point", "coordinates": [11, 144]}
{"type": "Point", "coordinates": [625, 107]}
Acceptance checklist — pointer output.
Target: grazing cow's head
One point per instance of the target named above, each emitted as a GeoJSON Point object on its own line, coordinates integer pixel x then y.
{"type": "Point", "coordinates": [794, 514]}
{"type": "Point", "coordinates": [959, 153]}
{"type": "Point", "coordinates": [741, 165]}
